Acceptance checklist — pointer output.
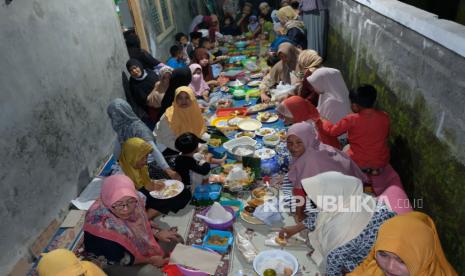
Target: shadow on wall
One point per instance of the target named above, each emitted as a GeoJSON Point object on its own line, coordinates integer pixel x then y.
{"type": "Point", "coordinates": [432, 176]}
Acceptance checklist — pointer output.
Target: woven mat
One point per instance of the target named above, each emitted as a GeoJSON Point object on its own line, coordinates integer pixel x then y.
{"type": "Point", "coordinates": [197, 230]}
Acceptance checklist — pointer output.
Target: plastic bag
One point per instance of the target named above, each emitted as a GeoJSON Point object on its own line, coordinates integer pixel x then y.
{"type": "Point", "coordinates": [246, 247]}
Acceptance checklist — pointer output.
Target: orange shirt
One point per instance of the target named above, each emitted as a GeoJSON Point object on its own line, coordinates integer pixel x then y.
{"type": "Point", "coordinates": [367, 132]}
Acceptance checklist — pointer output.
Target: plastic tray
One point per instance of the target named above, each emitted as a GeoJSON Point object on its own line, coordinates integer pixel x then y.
{"type": "Point", "coordinates": [218, 248]}
{"type": "Point", "coordinates": [225, 112]}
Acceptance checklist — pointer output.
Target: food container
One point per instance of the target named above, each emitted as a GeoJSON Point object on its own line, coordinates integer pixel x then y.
{"type": "Point", "coordinates": [231, 111]}
{"type": "Point", "coordinates": [242, 151]}
{"type": "Point", "coordinates": [244, 140]}
{"type": "Point", "coordinates": [271, 140]}
{"type": "Point", "coordinates": [220, 226]}
{"type": "Point", "coordinates": [218, 248]}
{"type": "Point", "coordinates": [207, 191]}
{"type": "Point", "coordinates": [234, 204]}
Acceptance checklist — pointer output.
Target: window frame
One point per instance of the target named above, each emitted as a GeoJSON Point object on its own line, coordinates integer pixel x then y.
{"type": "Point", "coordinates": [165, 30]}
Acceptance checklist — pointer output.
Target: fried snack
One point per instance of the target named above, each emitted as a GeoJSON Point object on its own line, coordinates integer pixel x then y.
{"type": "Point", "coordinates": [255, 202]}
{"type": "Point", "coordinates": [280, 241]}
{"type": "Point", "coordinates": [249, 209]}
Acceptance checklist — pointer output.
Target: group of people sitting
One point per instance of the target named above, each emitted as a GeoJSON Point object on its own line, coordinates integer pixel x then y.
{"type": "Point", "coordinates": [337, 140]}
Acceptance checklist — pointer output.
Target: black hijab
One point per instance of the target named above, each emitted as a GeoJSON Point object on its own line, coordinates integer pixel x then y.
{"type": "Point", "coordinates": [142, 86]}
{"type": "Point", "coordinates": [180, 77]}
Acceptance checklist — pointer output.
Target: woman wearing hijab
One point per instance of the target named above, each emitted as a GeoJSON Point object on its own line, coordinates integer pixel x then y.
{"type": "Point", "coordinates": [198, 84]}
{"type": "Point", "coordinates": [133, 162]}
{"type": "Point", "coordinates": [293, 28]}
{"type": "Point", "coordinates": [265, 11]}
{"type": "Point", "coordinates": [179, 77]}
{"type": "Point", "coordinates": [281, 71]}
{"type": "Point", "coordinates": [344, 223]}
{"type": "Point", "coordinates": [156, 96]}
{"type": "Point", "coordinates": [407, 245]}
{"type": "Point", "coordinates": [141, 84]}
{"type": "Point", "coordinates": [63, 262]}
{"type": "Point", "coordinates": [117, 230]}
{"type": "Point", "coordinates": [202, 57]}
{"type": "Point", "coordinates": [136, 52]}
{"type": "Point", "coordinates": [296, 109]}
{"type": "Point", "coordinates": [126, 125]}
{"type": "Point", "coordinates": [308, 62]}
{"type": "Point", "coordinates": [309, 158]}
{"type": "Point", "coordinates": [315, 18]}
{"type": "Point", "coordinates": [333, 101]}
{"type": "Point", "coordinates": [183, 116]}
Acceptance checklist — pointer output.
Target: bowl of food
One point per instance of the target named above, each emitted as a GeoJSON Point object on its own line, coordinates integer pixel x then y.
{"type": "Point", "coordinates": [264, 131]}
{"type": "Point", "coordinates": [275, 262]}
{"type": "Point", "coordinates": [220, 226]}
{"type": "Point", "coordinates": [245, 133]}
{"type": "Point", "coordinates": [242, 151]}
{"type": "Point", "coordinates": [271, 140]}
{"type": "Point", "coordinates": [267, 117]}
{"type": "Point", "coordinates": [223, 103]}
{"type": "Point", "coordinates": [244, 140]}
{"type": "Point", "coordinates": [265, 153]}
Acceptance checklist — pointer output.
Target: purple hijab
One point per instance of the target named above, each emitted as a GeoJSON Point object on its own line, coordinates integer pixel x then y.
{"type": "Point", "coordinates": [318, 157]}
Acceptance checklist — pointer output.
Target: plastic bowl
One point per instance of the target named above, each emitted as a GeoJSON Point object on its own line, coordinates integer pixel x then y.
{"type": "Point", "coordinates": [221, 226]}
{"type": "Point", "coordinates": [271, 140]}
{"type": "Point", "coordinates": [241, 44]}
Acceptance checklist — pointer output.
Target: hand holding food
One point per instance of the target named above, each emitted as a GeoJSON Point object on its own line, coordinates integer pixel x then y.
{"type": "Point", "coordinates": [155, 185]}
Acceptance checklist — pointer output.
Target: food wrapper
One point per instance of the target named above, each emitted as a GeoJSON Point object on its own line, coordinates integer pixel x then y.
{"type": "Point", "coordinates": [295, 241]}
{"type": "Point", "coordinates": [246, 247]}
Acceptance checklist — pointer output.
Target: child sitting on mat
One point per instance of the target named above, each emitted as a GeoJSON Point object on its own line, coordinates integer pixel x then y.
{"type": "Point", "coordinates": [192, 166]}
{"type": "Point", "coordinates": [367, 129]}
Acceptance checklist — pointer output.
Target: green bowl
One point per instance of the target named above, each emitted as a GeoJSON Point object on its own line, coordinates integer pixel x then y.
{"type": "Point", "coordinates": [239, 94]}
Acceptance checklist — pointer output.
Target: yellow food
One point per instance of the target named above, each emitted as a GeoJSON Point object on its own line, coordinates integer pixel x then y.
{"type": "Point", "coordinates": [214, 142]}
{"type": "Point", "coordinates": [280, 241]}
{"type": "Point", "coordinates": [217, 240]}
{"type": "Point", "coordinates": [255, 202]}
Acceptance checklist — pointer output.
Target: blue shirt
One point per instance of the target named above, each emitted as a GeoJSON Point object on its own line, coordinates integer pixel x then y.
{"type": "Point", "coordinates": [176, 63]}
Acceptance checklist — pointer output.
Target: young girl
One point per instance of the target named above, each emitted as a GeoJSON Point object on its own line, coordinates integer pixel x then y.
{"type": "Point", "coordinates": [198, 84]}
{"type": "Point", "coordinates": [254, 27]}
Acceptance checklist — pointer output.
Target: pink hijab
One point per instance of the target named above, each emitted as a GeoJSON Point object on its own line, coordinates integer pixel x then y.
{"type": "Point", "coordinates": [318, 157]}
{"type": "Point", "coordinates": [197, 84]}
{"type": "Point", "coordinates": [333, 102]}
{"type": "Point", "coordinates": [134, 234]}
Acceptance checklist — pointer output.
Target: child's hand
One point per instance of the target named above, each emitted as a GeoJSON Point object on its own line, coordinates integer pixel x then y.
{"type": "Point", "coordinates": [208, 157]}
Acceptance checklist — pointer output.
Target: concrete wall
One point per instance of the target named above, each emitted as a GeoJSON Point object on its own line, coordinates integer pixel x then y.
{"type": "Point", "coordinates": [61, 65]}
{"type": "Point", "coordinates": [419, 72]}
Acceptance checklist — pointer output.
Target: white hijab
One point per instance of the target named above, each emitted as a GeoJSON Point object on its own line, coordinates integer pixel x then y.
{"type": "Point", "coordinates": [333, 103]}
{"type": "Point", "coordinates": [334, 228]}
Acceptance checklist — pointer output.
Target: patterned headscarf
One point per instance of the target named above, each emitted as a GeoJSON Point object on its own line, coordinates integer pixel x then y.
{"type": "Point", "coordinates": [134, 233]}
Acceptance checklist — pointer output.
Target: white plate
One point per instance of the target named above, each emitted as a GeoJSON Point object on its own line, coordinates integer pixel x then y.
{"type": "Point", "coordinates": [272, 119]}
{"type": "Point", "coordinates": [265, 153]}
{"type": "Point", "coordinates": [172, 189]}
{"type": "Point", "coordinates": [265, 131]}
{"type": "Point", "coordinates": [254, 83]}
{"type": "Point", "coordinates": [234, 121]}
{"type": "Point", "coordinates": [249, 125]}
{"type": "Point", "coordinates": [275, 259]}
